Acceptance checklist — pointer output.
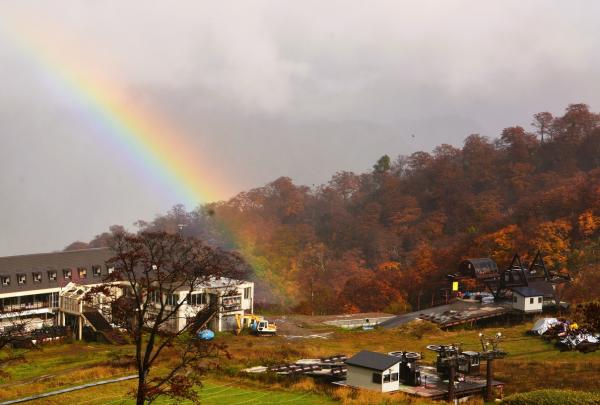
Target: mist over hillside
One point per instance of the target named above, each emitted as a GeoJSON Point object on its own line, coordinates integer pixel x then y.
{"type": "Point", "coordinates": [384, 239]}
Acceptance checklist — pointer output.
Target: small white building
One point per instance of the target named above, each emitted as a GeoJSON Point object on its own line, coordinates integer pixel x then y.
{"type": "Point", "coordinates": [374, 371]}
{"type": "Point", "coordinates": [527, 299]}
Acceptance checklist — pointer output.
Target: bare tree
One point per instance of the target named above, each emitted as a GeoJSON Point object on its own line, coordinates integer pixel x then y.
{"type": "Point", "coordinates": [542, 122]}
{"type": "Point", "coordinates": [12, 331]}
{"type": "Point", "coordinates": [154, 273]}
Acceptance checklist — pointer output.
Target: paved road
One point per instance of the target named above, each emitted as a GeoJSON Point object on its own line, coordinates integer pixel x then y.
{"type": "Point", "coordinates": [411, 316]}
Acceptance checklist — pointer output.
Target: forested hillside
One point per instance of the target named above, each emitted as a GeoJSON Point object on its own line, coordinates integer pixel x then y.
{"type": "Point", "coordinates": [385, 239]}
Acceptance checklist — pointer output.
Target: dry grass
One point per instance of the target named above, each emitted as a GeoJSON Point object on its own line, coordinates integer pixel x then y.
{"type": "Point", "coordinates": [523, 375]}
{"type": "Point", "coordinates": [344, 395]}
{"type": "Point", "coordinates": [54, 382]}
{"type": "Point", "coordinates": [531, 364]}
{"type": "Point", "coordinates": [362, 397]}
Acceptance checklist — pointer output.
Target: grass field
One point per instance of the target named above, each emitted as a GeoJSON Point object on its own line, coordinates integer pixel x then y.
{"type": "Point", "coordinates": [531, 364]}
{"type": "Point", "coordinates": [213, 393]}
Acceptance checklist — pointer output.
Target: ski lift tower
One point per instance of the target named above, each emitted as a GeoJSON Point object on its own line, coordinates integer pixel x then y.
{"type": "Point", "coordinates": [490, 351]}
{"type": "Point", "coordinates": [449, 357]}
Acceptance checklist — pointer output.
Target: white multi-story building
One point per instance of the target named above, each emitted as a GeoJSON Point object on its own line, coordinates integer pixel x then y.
{"type": "Point", "coordinates": [47, 289]}
{"type": "Point", "coordinates": [232, 297]}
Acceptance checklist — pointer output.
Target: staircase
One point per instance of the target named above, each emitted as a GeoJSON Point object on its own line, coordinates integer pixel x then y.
{"type": "Point", "coordinates": [203, 318]}
{"type": "Point", "coordinates": [114, 336]}
{"type": "Point", "coordinates": [97, 321]}
{"type": "Point", "coordinates": [104, 328]}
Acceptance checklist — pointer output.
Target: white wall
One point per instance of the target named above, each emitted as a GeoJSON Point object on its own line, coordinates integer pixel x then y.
{"type": "Point", "coordinates": [392, 385]}
{"type": "Point", "coordinates": [185, 311]}
{"type": "Point", "coordinates": [247, 303]}
{"type": "Point", "coordinates": [23, 293]}
{"type": "Point", "coordinates": [523, 303]}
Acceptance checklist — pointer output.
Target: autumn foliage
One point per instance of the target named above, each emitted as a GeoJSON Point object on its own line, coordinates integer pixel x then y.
{"type": "Point", "coordinates": [385, 239]}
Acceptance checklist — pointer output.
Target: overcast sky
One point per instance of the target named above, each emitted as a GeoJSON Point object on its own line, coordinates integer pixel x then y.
{"type": "Point", "coordinates": [267, 89]}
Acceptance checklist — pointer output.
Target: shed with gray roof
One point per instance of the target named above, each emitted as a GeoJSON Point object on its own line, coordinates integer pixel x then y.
{"type": "Point", "coordinates": [374, 371]}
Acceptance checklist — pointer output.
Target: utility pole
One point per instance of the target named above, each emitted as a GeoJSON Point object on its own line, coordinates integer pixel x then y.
{"type": "Point", "coordinates": [451, 377]}
{"type": "Point", "coordinates": [449, 356]}
{"type": "Point", "coordinates": [489, 389]}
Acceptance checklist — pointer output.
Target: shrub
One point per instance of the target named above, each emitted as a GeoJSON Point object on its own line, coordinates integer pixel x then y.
{"type": "Point", "coordinates": [588, 314]}
{"type": "Point", "coordinates": [553, 397]}
{"type": "Point", "coordinates": [419, 328]}
{"type": "Point", "coordinates": [398, 307]}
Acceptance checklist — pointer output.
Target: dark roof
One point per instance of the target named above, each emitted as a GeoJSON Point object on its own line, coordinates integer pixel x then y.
{"type": "Point", "coordinates": [373, 360]}
{"type": "Point", "coordinates": [543, 287]}
{"type": "Point", "coordinates": [42, 262]}
{"type": "Point", "coordinates": [483, 267]}
{"type": "Point", "coordinates": [527, 291]}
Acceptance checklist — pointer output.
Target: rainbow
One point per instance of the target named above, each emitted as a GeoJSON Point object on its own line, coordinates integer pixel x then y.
{"type": "Point", "coordinates": [158, 149]}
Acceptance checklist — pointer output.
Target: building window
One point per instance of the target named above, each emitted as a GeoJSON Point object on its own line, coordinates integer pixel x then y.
{"type": "Point", "coordinates": [197, 299]}
{"type": "Point", "coordinates": [37, 277]}
{"type": "Point", "coordinates": [394, 376]}
{"type": "Point", "coordinates": [5, 280]}
{"type": "Point", "coordinates": [172, 299]}
{"type": "Point", "coordinates": [153, 296]}
{"type": "Point", "coordinates": [232, 303]}
{"type": "Point", "coordinates": [386, 378]}
{"type": "Point", "coordinates": [247, 292]}
{"type": "Point", "coordinates": [376, 378]}
{"type": "Point", "coordinates": [539, 300]}
{"type": "Point", "coordinates": [150, 296]}
{"type": "Point", "coordinates": [96, 271]}
{"type": "Point", "coordinates": [21, 278]}
{"type": "Point", "coordinates": [52, 275]}
{"type": "Point", "coordinates": [10, 304]}
{"type": "Point", "coordinates": [55, 302]}
{"type": "Point", "coordinates": [514, 298]}
{"type": "Point", "coordinates": [67, 274]}
{"type": "Point", "coordinates": [110, 270]}
{"type": "Point", "coordinates": [82, 272]}
{"type": "Point", "coordinates": [531, 300]}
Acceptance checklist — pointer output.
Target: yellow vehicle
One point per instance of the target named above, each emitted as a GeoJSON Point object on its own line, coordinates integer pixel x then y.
{"type": "Point", "coordinates": [256, 323]}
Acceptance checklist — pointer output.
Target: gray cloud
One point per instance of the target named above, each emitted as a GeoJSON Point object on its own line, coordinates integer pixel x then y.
{"type": "Point", "coordinates": [270, 88]}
